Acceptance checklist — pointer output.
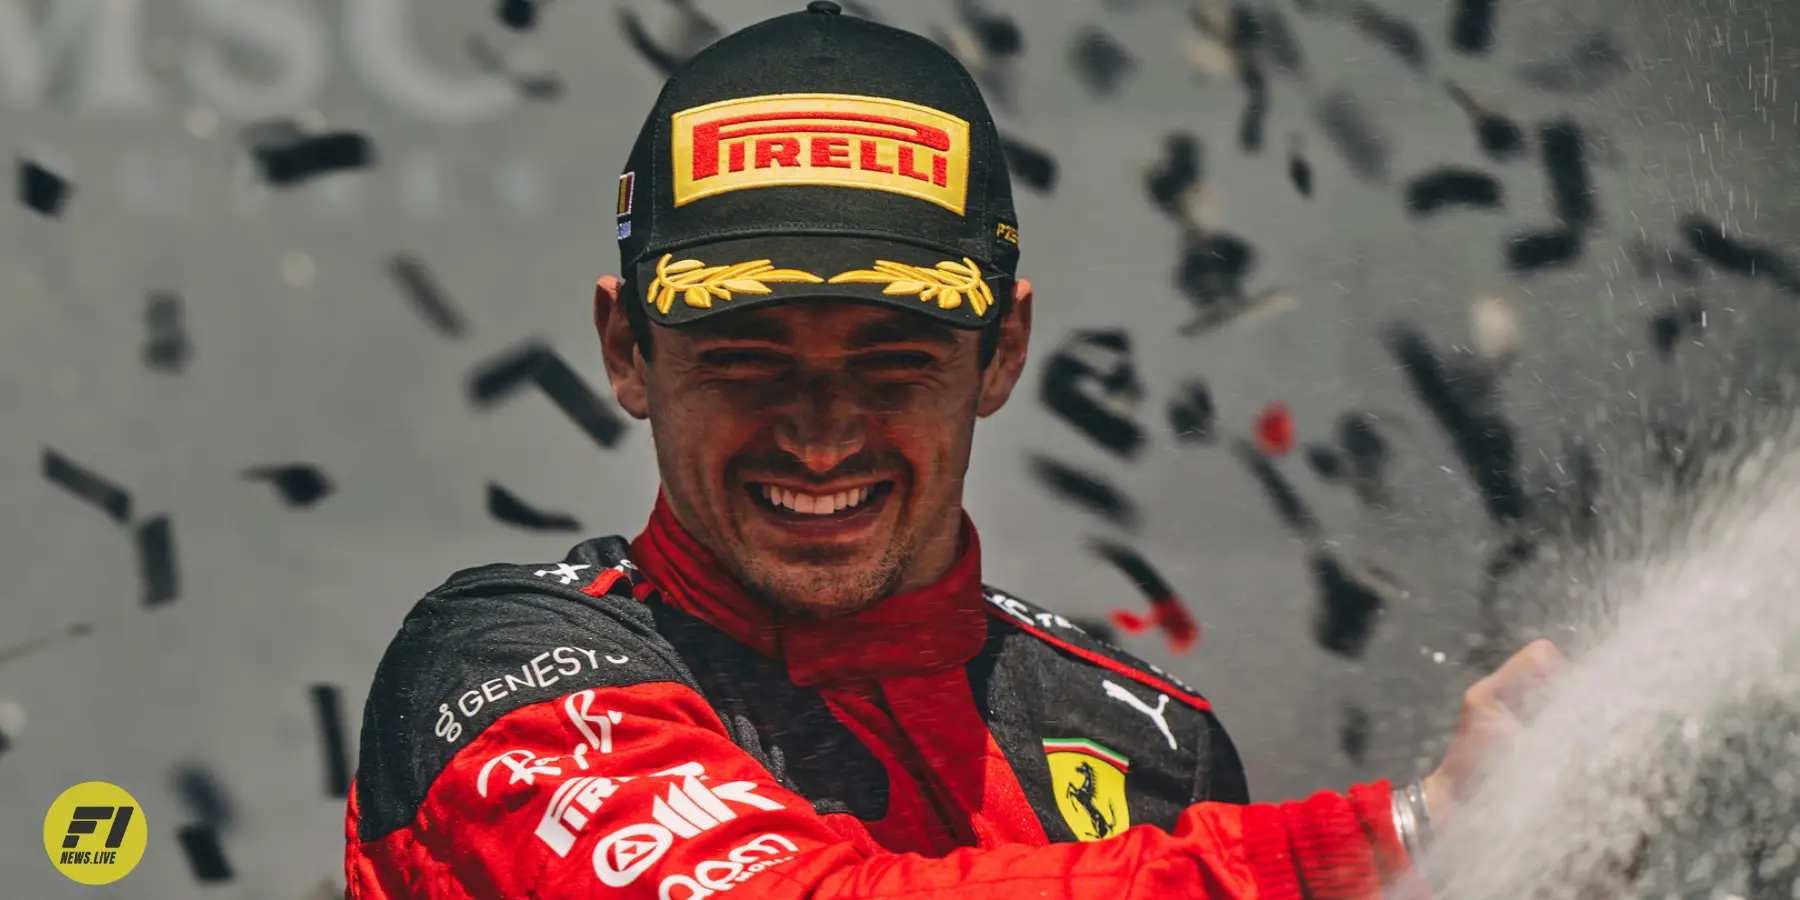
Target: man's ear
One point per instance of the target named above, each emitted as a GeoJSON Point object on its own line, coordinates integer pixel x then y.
{"type": "Point", "coordinates": [1002, 374]}
{"type": "Point", "coordinates": [625, 366]}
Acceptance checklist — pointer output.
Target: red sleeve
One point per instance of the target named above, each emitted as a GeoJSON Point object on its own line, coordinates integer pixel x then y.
{"type": "Point", "coordinates": [636, 792]}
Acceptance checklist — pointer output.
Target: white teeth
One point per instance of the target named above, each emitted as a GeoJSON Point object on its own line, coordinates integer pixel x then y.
{"type": "Point", "coordinates": [815, 504]}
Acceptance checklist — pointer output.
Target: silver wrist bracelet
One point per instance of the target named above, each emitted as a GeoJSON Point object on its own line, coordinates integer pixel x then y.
{"type": "Point", "coordinates": [1412, 819]}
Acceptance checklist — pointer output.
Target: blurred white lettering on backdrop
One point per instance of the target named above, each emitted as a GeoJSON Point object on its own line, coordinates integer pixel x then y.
{"type": "Point", "coordinates": [102, 42]}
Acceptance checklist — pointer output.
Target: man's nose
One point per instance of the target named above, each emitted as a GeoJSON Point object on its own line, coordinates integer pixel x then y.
{"type": "Point", "coordinates": [823, 425]}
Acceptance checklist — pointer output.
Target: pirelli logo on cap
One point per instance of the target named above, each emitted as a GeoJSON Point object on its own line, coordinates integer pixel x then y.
{"type": "Point", "coordinates": [837, 140]}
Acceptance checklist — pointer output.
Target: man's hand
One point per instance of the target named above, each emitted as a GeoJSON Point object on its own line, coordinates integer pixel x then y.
{"type": "Point", "coordinates": [1494, 711]}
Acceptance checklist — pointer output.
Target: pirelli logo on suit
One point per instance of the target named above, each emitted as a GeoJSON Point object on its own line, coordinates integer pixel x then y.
{"type": "Point", "coordinates": [836, 140]}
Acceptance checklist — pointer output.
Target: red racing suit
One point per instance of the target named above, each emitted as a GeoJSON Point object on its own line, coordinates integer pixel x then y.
{"type": "Point", "coordinates": [627, 723]}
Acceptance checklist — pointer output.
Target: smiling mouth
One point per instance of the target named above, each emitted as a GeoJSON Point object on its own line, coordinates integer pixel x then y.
{"type": "Point", "coordinates": [804, 505]}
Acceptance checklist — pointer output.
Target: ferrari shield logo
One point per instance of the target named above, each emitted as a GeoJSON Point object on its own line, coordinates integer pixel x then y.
{"type": "Point", "coordinates": [1089, 781]}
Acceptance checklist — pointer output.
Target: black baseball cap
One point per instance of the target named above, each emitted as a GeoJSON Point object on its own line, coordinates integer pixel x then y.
{"type": "Point", "coordinates": [818, 155]}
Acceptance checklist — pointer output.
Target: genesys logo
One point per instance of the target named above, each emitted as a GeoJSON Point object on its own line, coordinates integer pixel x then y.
{"type": "Point", "coordinates": [95, 833]}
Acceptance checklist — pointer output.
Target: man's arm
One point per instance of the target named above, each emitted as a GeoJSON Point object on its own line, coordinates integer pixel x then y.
{"type": "Point", "coordinates": [638, 791]}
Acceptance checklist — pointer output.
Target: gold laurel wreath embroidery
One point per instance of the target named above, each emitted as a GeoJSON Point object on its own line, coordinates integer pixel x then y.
{"type": "Point", "coordinates": [698, 283]}
{"type": "Point", "coordinates": [948, 283]}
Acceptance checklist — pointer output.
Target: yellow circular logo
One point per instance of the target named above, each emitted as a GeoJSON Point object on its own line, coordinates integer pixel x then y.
{"type": "Point", "coordinates": [95, 833]}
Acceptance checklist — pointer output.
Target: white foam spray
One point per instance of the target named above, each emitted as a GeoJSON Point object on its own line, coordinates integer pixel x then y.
{"type": "Point", "coordinates": [1668, 765]}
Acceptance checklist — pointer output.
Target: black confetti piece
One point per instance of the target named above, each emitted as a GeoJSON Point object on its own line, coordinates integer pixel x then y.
{"type": "Point", "coordinates": [1565, 162]}
{"type": "Point", "coordinates": [1736, 256]}
{"type": "Point", "coordinates": [12, 724]}
{"type": "Point", "coordinates": [1326, 462]}
{"type": "Point", "coordinates": [289, 162]}
{"type": "Point", "coordinates": [520, 15]}
{"type": "Point", "coordinates": [1300, 173]}
{"type": "Point", "coordinates": [1363, 445]}
{"type": "Point", "coordinates": [204, 797]}
{"type": "Point", "coordinates": [1209, 317]}
{"type": "Point", "coordinates": [1135, 567]}
{"type": "Point", "coordinates": [507, 507]}
{"type": "Point", "coordinates": [1682, 453]}
{"type": "Point", "coordinates": [1354, 136]}
{"type": "Point", "coordinates": [1246, 29]}
{"type": "Point", "coordinates": [691, 32]}
{"type": "Point", "coordinates": [204, 855]}
{"type": "Point", "coordinates": [1211, 275]}
{"type": "Point", "coordinates": [530, 86]}
{"type": "Point", "coordinates": [1168, 613]}
{"type": "Point", "coordinates": [1499, 137]}
{"type": "Point", "coordinates": [1390, 31]}
{"type": "Point", "coordinates": [504, 374]}
{"type": "Point", "coordinates": [1452, 186]}
{"type": "Point", "coordinates": [1289, 508]}
{"type": "Point", "coordinates": [537, 363]}
{"type": "Point", "coordinates": [1350, 601]}
{"type": "Point", "coordinates": [1667, 329]}
{"type": "Point", "coordinates": [1096, 397]}
{"type": "Point", "coordinates": [1100, 61]}
{"type": "Point", "coordinates": [41, 189]}
{"type": "Point", "coordinates": [328, 712]}
{"type": "Point", "coordinates": [578, 402]}
{"type": "Point", "coordinates": [298, 484]}
{"type": "Point", "coordinates": [1532, 251]}
{"type": "Point", "coordinates": [1518, 552]}
{"type": "Point", "coordinates": [427, 296]}
{"type": "Point", "coordinates": [1256, 106]}
{"type": "Point", "coordinates": [33, 646]}
{"type": "Point", "coordinates": [1366, 455]}
{"type": "Point", "coordinates": [156, 561]}
{"type": "Point", "coordinates": [1178, 172]}
{"type": "Point", "coordinates": [663, 61]}
{"type": "Point", "coordinates": [1582, 492]}
{"type": "Point", "coordinates": [1472, 26]}
{"type": "Point", "coordinates": [998, 34]}
{"type": "Point", "coordinates": [1278, 39]}
{"type": "Point", "coordinates": [1214, 266]}
{"type": "Point", "coordinates": [1461, 400]}
{"type": "Point", "coordinates": [1192, 414]}
{"type": "Point", "coordinates": [1353, 734]}
{"type": "Point", "coordinates": [1588, 66]}
{"type": "Point", "coordinates": [1509, 558]}
{"type": "Point", "coordinates": [167, 348]}
{"type": "Point", "coordinates": [1087, 490]}
{"type": "Point", "coordinates": [1033, 166]}
{"type": "Point", "coordinates": [88, 485]}
{"type": "Point", "coordinates": [1674, 450]}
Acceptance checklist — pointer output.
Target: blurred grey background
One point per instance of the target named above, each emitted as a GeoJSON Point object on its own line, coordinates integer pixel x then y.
{"type": "Point", "coordinates": [176, 319]}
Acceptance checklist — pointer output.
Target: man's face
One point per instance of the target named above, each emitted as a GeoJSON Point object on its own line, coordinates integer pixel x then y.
{"type": "Point", "coordinates": [818, 448]}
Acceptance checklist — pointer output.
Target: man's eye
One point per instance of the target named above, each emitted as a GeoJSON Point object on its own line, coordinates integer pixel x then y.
{"type": "Point", "coordinates": [740, 359]}
{"type": "Point", "coordinates": [899, 361]}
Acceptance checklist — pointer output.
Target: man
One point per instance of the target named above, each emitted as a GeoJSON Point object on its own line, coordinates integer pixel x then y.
{"type": "Point", "coordinates": [793, 683]}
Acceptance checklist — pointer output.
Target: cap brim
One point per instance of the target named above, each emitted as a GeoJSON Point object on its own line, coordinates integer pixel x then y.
{"type": "Point", "coordinates": [692, 283]}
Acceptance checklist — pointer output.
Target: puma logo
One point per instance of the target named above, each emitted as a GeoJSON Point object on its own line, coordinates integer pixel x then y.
{"type": "Point", "coordinates": [1156, 715]}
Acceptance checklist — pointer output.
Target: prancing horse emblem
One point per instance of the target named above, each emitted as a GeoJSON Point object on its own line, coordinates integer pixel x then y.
{"type": "Point", "coordinates": [1090, 787]}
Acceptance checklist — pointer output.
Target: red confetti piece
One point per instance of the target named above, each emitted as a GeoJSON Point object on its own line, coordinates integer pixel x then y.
{"type": "Point", "coordinates": [1275, 430]}
{"type": "Point", "coordinates": [1167, 616]}
{"type": "Point", "coordinates": [1129, 622]}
